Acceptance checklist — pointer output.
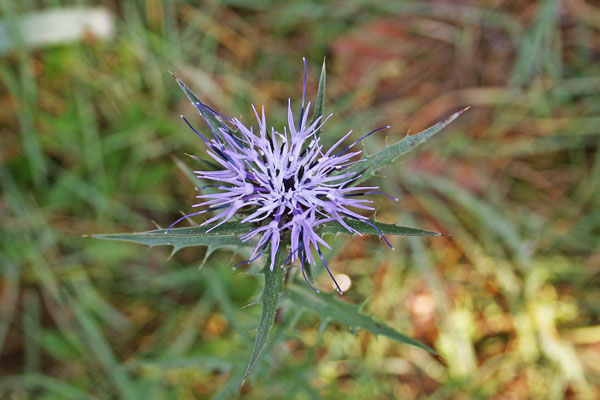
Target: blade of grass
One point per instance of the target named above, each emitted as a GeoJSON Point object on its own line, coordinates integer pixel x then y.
{"type": "Point", "coordinates": [31, 327]}
{"type": "Point", "coordinates": [101, 350]}
{"type": "Point", "coordinates": [10, 280]}
{"type": "Point", "coordinates": [51, 385]}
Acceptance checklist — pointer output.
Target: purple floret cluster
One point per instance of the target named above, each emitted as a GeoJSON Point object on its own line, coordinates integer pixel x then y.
{"type": "Point", "coordinates": [283, 183]}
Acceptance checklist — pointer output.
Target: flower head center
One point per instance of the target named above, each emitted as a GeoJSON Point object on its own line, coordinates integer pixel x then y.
{"type": "Point", "coordinates": [289, 184]}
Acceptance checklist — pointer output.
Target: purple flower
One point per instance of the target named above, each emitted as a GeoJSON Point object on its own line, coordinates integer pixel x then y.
{"type": "Point", "coordinates": [283, 183]}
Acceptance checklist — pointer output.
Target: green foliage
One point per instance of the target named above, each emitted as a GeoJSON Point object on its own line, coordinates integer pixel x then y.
{"type": "Point", "coordinates": [227, 235]}
{"type": "Point", "coordinates": [363, 227]}
{"type": "Point", "coordinates": [330, 308]}
{"type": "Point", "coordinates": [389, 154]}
{"type": "Point", "coordinates": [318, 112]}
{"type": "Point", "coordinates": [272, 292]}
{"type": "Point", "coordinates": [213, 121]}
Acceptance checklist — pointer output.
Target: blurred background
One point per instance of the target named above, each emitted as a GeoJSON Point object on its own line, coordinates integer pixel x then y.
{"type": "Point", "coordinates": [91, 142]}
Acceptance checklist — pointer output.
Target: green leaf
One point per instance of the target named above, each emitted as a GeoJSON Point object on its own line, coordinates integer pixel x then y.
{"type": "Point", "coordinates": [320, 95]}
{"type": "Point", "coordinates": [222, 236]}
{"type": "Point", "coordinates": [363, 227]}
{"type": "Point", "coordinates": [389, 154]}
{"type": "Point", "coordinates": [213, 121]}
{"type": "Point", "coordinates": [270, 301]}
{"type": "Point", "coordinates": [332, 309]}
{"type": "Point", "coordinates": [227, 235]}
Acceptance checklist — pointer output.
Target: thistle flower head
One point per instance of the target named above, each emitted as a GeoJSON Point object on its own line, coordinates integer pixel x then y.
{"type": "Point", "coordinates": [283, 182]}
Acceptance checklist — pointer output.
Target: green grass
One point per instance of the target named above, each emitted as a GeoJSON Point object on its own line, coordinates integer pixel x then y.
{"type": "Point", "coordinates": [509, 299]}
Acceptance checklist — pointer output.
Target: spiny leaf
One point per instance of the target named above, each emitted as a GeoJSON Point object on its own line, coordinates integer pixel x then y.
{"type": "Point", "coordinates": [363, 227]}
{"type": "Point", "coordinates": [213, 121]}
{"type": "Point", "coordinates": [320, 96]}
{"type": "Point", "coordinates": [270, 300]}
{"type": "Point", "coordinates": [389, 154]}
{"type": "Point", "coordinates": [330, 308]}
{"type": "Point", "coordinates": [227, 228]}
{"type": "Point", "coordinates": [222, 236]}
{"type": "Point", "coordinates": [226, 235]}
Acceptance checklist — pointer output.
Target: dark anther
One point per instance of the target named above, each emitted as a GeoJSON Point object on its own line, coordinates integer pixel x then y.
{"type": "Point", "coordinates": [289, 183]}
